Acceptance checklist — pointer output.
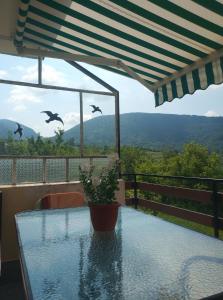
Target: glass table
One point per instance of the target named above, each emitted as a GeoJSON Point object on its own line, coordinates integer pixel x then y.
{"type": "Point", "coordinates": [62, 258]}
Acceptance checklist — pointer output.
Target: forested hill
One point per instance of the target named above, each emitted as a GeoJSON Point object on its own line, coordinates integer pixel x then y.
{"type": "Point", "coordinates": [155, 131]}
{"type": "Point", "coordinates": [7, 127]}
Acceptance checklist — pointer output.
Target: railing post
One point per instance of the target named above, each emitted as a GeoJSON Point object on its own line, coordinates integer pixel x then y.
{"type": "Point", "coordinates": [91, 161]}
{"type": "Point", "coordinates": [67, 169]}
{"type": "Point", "coordinates": [215, 208]}
{"type": "Point", "coordinates": [135, 187]}
{"type": "Point", "coordinates": [44, 170]}
{"type": "Point", "coordinates": [81, 126]}
{"type": "Point", "coordinates": [14, 171]}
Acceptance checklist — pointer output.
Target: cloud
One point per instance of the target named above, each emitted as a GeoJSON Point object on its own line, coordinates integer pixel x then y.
{"type": "Point", "coordinates": [47, 130]}
{"type": "Point", "coordinates": [49, 75]}
{"type": "Point", "coordinates": [211, 113]}
{"type": "Point", "coordinates": [3, 74]}
{"type": "Point", "coordinates": [19, 68]}
{"type": "Point", "coordinates": [86, 83]}
{"type": "Point", "coordinates": [21, 96]}
{"type": "Point", "coordinates": [72, 118]}
{"type": "Point", "coordinates": [20, 107]}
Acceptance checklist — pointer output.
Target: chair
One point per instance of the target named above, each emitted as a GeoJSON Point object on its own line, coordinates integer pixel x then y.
{"type": "Point", "coordinates": [62, 200]}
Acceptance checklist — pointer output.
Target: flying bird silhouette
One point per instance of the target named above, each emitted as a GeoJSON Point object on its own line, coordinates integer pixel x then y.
{"type": "Point", "coordinates": [96, 108]}
{"type": "Point", "coordinates": [52, 117]}
{"type": "Point", "coordinates": [19, 130]}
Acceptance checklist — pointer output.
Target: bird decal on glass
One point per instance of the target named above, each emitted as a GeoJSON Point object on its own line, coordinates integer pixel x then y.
{"type": "Point", "coordinates": [96, 108]}
{"type": "Point", "coordinates": [19, 130]}
{"type": "Point", "coordinates": [52, 116]}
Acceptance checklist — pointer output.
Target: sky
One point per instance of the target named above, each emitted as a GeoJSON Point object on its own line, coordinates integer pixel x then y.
{"type": "Point", "coordinates": [24, 104]}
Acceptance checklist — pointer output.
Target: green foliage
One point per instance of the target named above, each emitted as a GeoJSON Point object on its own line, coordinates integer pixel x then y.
{"type": "Point", "coordinates": [131, 158]}
{"type": "Point", "coordinates": [38, 146]}
{"type": "Point", "coordinates": [100, 189]}
{"type": "Point", "coordinates": [194, 160]}
{"type": "Point", "coordinates": [59, 137]}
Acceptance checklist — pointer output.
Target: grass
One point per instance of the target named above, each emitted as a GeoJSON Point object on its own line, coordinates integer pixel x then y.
{"type": "Point", "coordinates": [188, 224]}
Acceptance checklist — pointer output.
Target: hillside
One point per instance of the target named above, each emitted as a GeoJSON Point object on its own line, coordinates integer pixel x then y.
{"type": "Point", "coordinates": [8, 127]}
{"type": "Point", "coordinates": [155, 131]}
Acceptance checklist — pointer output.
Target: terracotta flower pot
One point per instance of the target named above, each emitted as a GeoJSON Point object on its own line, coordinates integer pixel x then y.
{"type": "Point", "coordinates": [104, 216]}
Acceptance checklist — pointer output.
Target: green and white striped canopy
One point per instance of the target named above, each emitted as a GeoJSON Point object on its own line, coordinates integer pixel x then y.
{"type": "Point", "coordinates": [175, 46]}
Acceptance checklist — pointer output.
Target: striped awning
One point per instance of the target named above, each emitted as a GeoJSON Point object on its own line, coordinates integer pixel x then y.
{"type": "Point", "coordinates": [173, 47]}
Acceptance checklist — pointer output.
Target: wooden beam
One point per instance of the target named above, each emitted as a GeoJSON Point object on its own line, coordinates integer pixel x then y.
{"type": "Point", "coordinates": [173, 191]}
{"type": "Point", "coordinates": [178, 212]}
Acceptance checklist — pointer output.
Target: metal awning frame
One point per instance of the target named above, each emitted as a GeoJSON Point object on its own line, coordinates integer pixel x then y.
{"type": "Point", "coordinates": [172, 49]}
{"type": "Point", "coordinates": [23, 51]}
{"type": "Point", "coordinates": [69, 59]}
{"type": "Point", "coordinates": [93, 60]}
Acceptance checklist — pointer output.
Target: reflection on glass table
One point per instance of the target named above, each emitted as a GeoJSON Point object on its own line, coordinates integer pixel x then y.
{"type": "Point", "coordinates": [144, 258]}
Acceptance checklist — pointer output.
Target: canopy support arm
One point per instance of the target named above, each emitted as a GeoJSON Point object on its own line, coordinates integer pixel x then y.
{"type": "Point", "coordinates": [91, 75]}
{"type": "Point", "coordinates": [94, 60]}
{"type": "Point", "coordinates": [135, 75]}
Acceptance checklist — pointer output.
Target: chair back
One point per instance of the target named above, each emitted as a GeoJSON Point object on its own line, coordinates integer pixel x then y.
{"type": "Point", "coordinates": [62, 200]}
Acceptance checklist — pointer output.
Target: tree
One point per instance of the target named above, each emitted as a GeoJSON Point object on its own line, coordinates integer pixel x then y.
{"type": "Point", "coordinates": [59, 137]}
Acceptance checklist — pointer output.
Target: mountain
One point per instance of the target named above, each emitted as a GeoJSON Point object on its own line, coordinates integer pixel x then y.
{"type": "Point", "coordinates": [8, 127]}
{"type": "Point", "coordinates": [154, 131]}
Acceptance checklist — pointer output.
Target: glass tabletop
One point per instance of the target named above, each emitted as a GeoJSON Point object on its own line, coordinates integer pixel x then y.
{"type": "Point", "coordinates": [144, 258]}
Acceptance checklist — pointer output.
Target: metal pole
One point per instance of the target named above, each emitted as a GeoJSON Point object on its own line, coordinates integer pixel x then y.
{"type": "Point", "coordinates": [81, 127]}
{"type": "Point", "coordinates": [14, 161]}
{"type": "Point", "coordinates": [117, 124]}
{"type": "Point", "coordinates": [44, 170]}
{"type": "Point", "coordinates": [67, 169]}
{"type": "Point", "coordinates": [39, 70]}
{"type": "Point", "coordinates": [54, 87]}
{"type": "Point", "coordinates": [215, 209]}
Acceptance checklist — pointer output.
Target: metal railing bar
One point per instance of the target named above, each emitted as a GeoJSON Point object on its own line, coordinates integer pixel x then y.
{"type": "Point", "coordinates": [174, 177]}
{"type": "Point", "coordinates": [43, 160]}
{"type": "Point", "coordinates": [67, 169]}
{"type": "Point", "coordinates": [14, 171]}
{"type": "Point", "coordinates": [44, 170]}
{"type": "Point", "coordinates": [54, 87]}
{"type": "Point", "coordinates": [215, 209]}
{"type": "Point", "coordinates": [50, 157]}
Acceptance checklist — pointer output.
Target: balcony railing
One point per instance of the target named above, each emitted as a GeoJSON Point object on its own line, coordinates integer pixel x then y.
{"type": "Point", "coordinates": [45, 169]}
{"type": "Point", "coordinates": [212, 196]}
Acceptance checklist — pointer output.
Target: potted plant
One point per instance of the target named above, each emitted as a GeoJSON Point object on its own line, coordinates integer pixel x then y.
{"type": "Point", "coordinates": [100, 193]}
